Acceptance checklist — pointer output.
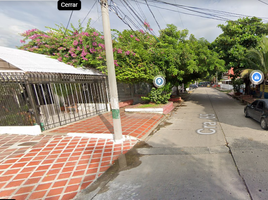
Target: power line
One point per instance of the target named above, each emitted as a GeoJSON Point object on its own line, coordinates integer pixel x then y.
{"type": "Point", "coordinates": [202, 12]}
{"type": "Point", "coordinates": [142, 13]}
{"type": "Point", "coordinates": [153, 14]}
{"type": "Point", "coordinates": [118, 11]}
{"type": "Point", "coordinates": [180, 16]}
{"type": "Point", "coordinates": [68, 24]}
{"type": "Point", "coordinates": [89, 12]}
{"type": "Point", "coordinates": [135, 14]}
{"type": "Point", "coordinates": [212, 12]}
{"type": "Point", "coordinates": [263, 2]}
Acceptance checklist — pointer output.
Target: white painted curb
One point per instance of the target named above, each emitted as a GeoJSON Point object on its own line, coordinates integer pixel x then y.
{"type": "Point", "coordinates": [149, 110]}
{"type": "Point", "coordinates": [101, 136]}
{"type": "Point", "coordinates": [21, 130]}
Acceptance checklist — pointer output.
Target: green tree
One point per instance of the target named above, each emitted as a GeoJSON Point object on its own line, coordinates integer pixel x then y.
{"type": "Point", "coordinates": [237, 37]}
{"type": "Point", "coordinates": [258, 59]}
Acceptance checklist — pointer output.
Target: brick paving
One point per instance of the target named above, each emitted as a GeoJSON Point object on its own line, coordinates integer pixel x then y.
{"type": "Point", "coordinates": [133, 124]}
{"type": "Point", "coordinates": [56, 166]}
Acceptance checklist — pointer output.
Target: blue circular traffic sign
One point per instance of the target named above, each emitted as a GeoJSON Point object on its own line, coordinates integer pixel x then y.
{"type": "Point", "coordinates": [159, 81]}
{"type": "Point", "coordinates": [256, 77]}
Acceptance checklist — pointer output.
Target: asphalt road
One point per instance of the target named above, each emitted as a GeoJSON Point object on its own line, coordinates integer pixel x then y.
{"type": "Point", "coordinates": [206, 150]}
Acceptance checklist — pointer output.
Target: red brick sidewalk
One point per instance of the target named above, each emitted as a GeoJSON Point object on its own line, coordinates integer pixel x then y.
{"type": "Point", "coordinates": [58, 167]}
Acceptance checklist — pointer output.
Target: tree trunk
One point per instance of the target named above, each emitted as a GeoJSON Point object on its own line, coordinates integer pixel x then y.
{"type": "Point", "coordinates": [247, 88]}
{"type": "Point", "coordinates": [263, 89]}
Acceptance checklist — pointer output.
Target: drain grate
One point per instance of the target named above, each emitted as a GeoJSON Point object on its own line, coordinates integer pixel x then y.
{"type": "Point", "coordinates": [28, 144]}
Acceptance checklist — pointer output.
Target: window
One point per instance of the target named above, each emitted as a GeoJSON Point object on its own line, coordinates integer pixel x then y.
{"type": "Point", "coordinates": [260, 105]}
{"type": "Point", "coordinates": [254, 104]}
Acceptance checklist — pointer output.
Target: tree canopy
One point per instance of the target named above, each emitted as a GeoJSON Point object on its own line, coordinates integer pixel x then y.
{"type": "Point", "coordinates": [138, 55]}
{"type": "Point", "coordinates": [237, 37]}
{"type": "Point", "coordinates": [258, 59]}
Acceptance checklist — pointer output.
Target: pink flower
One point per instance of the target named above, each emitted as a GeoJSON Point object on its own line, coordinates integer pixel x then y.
{"type": "Point", "coordinates": [131, 36]}
{"type": "Point", "coordinates": [73, 55]}
{"type": "Point", "coordinates": [78, 49]}
{"type": "Point", "coordinates": [22, 41]}
{"type": "Point", "coordinates": [96, 34]}
{"type": "Point", "coordinates": [99, 57]}
{"type": "Point", "coordinates": [84, 58]}
{"type": "Point", "coordinates": [29, 31]}
{"type": "Point", "coordinates": [61, 48]}
{"type": "Point", "coordinates": [142, 31]}
{"type": "Point", "coordinates": [75, 43]}
{"type": "Point", "coordinates": [94, 43]}
{"type": "Point", "coordinates": [115, 62]}
{"type": "Point", "coordinates": [60, 59]}
{"type": "Point", "coordinates": [85, 34]}
{"type": "Point", "coordinates": [102, 37]}
{"type": "Point", "coordinates": [84, 53]}
{"type": "Point", "coordinates": [92, 50]}
{"type": "Point", "coordinates": [137, 39]}
{"type": "Point", "coordinates": [34, 36]}
{"type": "Point", "coordinates": [119, 51]}
{"type": "Point", "coordinates": [146, 25]}
{"type": "Point", "coordinates": [127, 52]}
{"type": "Point", "coordinates": [101, 45]}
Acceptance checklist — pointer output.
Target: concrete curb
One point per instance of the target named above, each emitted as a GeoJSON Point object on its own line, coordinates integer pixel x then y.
{"type": "Point", "coordinates": [21, 130]}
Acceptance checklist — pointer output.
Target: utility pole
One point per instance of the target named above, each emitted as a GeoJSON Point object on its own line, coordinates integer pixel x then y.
{"type": "Point", "coordinates": [111, 71]}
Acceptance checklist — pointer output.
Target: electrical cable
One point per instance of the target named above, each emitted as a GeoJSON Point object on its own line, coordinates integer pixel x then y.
{"type": "Point", "coordinates": [140, 9]}
{"type": "Point", "coordinates": [139, 20]}
{"type": "Point", "coordinates": [179, 15]}
{"type": "Point", "coordinates": [202, 12]}
{"type": "Point", "coordinates": [122, 16]}
{"type": "Point", "coordinates": [67, 24]}
{"type": "Point", "coordinates": [218, 12]}
{"type": "Point", "coordinates": [263, 2]}
{"type": "Point", "coordinates": [89, 12]}
{"type": "Point", "coordinates": [153, 14]}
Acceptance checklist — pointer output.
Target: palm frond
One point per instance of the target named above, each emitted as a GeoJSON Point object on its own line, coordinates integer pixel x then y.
{"type": "Point", "coordinates": [258, 58]}
{"type": "Point", "coordinates": [246, 73]}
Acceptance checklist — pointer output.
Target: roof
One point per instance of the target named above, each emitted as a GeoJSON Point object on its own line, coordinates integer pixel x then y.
{"type": "Point", "coordinates": [15, 59]}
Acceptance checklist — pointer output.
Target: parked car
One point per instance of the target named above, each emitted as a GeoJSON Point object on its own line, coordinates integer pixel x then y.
{"type": "Point", "coordinates": [258, 110]}
{"type": "Point", "coordinates": [194, 86]}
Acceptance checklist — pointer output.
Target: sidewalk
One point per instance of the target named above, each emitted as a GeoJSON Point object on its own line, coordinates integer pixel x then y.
{"type": "Point", "coordinates": [246, 99]}
{"type": "Point", "coordinates": [55, 165]}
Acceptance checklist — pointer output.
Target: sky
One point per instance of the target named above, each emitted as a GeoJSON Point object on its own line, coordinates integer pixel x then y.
{"type": "Point", "coordinates": [19, 16]}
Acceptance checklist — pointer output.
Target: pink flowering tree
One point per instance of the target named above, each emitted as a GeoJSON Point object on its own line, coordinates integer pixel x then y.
{"type": "Point", "coordinates": [132, 58]}
{"type": "Point", "coordinates": [84, 47]}
{"type": "Point", "coordinates": [78, 47]}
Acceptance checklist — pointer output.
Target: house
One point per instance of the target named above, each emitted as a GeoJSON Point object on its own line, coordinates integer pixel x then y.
{"type": "Point", "coordinates": [36, 89]}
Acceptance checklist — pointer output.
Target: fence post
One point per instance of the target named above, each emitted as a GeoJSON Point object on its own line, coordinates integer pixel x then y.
{"type": "Point", "coordinates": [31, 101]}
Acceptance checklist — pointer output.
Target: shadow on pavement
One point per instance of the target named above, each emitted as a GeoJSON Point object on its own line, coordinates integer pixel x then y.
{"type": "Point", "coordinates": [177, 173]}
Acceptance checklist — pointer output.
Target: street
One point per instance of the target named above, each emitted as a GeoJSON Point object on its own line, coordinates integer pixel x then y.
{"type": "Point", "coordinates": [206, 149]}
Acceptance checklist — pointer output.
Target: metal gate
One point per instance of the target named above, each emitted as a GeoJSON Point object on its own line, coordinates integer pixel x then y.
{"type": "Point", "coordinates": [58, 99]}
